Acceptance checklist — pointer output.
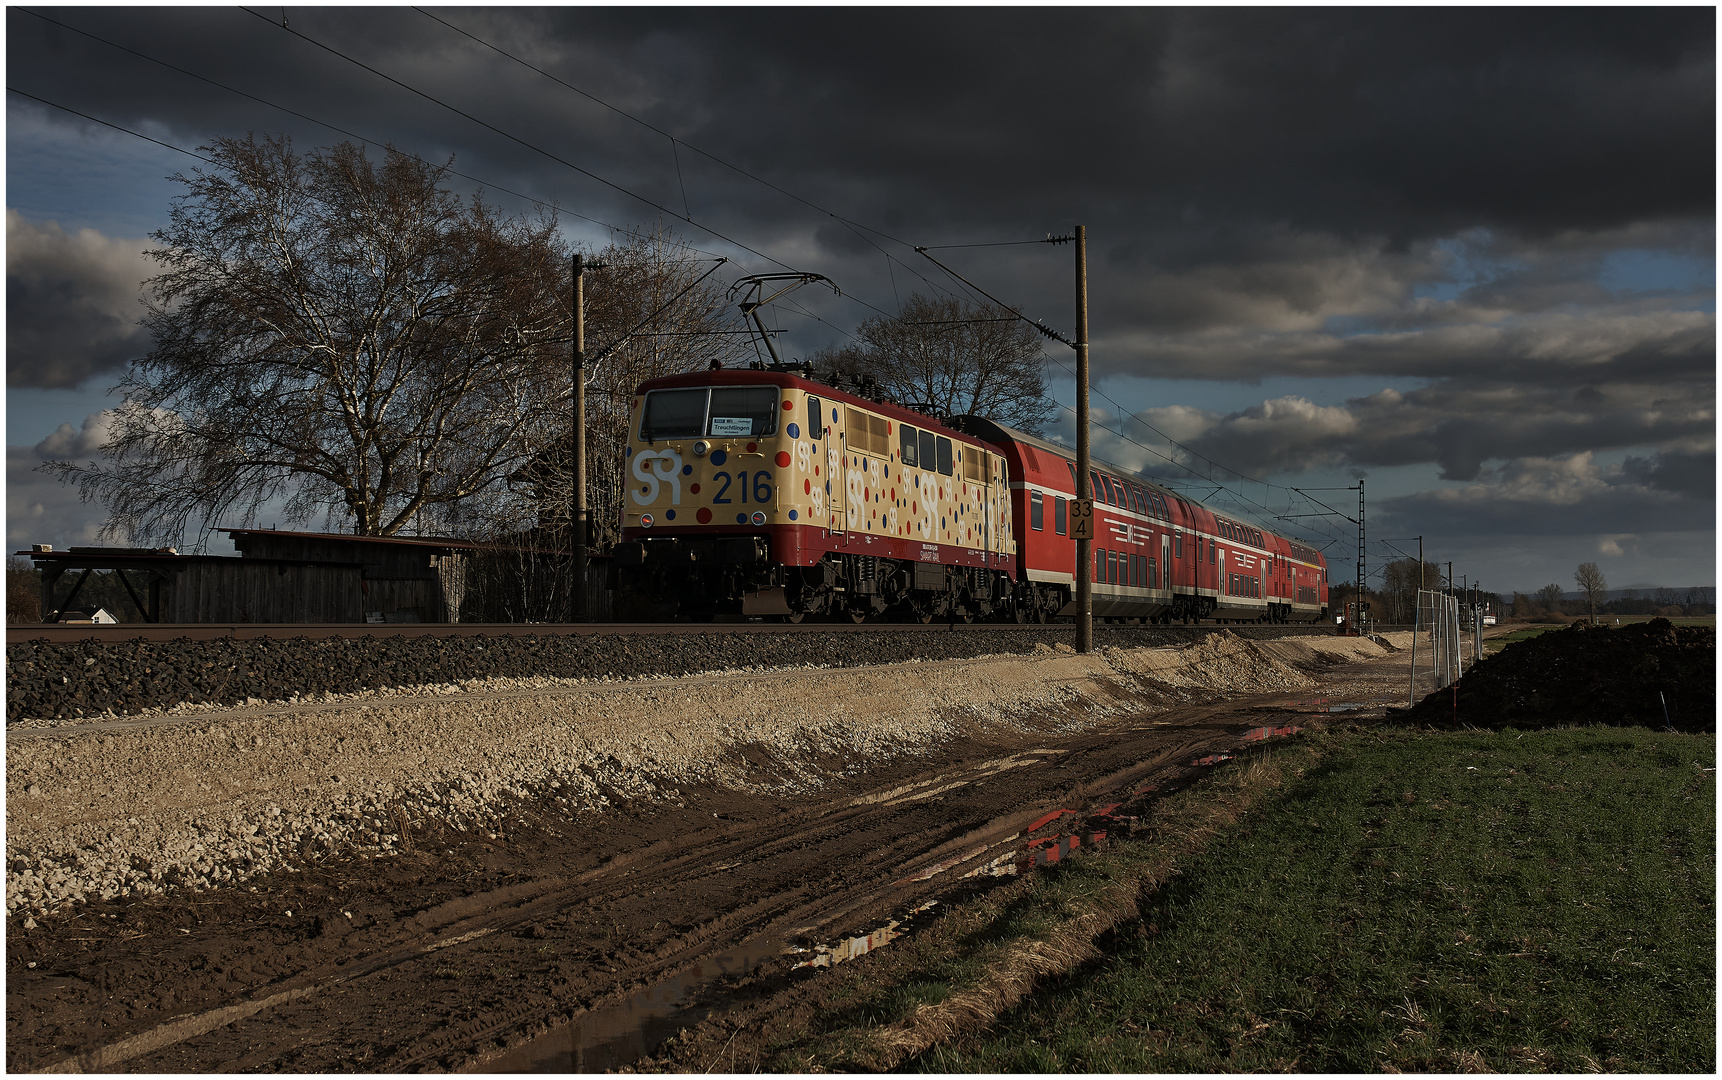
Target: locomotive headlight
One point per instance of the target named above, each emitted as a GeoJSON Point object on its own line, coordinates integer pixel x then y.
{"type": "Point", "coordinates": [701, 447]}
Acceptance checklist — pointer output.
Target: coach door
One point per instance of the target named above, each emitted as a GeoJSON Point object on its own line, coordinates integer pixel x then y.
{"type": "Point", "coordinates": [836, 469]}
{"type": "Point", "coordinates": [1165, 581]}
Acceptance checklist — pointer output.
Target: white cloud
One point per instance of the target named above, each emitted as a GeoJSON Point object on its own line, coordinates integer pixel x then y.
{"type": "Point", "coordinates": [67, 442]}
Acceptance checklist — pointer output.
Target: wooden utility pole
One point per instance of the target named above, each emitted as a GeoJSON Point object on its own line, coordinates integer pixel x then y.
{"type": "Point", "coordinates": [1362, 576]}
{"type": "Point", "coordinates": [577, 497]}
{"type": "Point", "coordinates": [1084, 490]}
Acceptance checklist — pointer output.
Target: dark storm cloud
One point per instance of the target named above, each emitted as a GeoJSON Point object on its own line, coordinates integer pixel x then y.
{"type": "Point", "coordinates": [1427, 196]}
{"type": "Point", "coordinates": [1399, 123]}
{"type": "Point", "coordinates": [72, 304]}
{"type": "Point", "coordinates": [1460, 426]}
{"type": "Point", "coordinates": [1571, 496]}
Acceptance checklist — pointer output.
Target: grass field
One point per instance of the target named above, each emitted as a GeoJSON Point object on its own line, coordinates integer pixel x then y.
{"type": "Point", "coordinates": [1417, 901]}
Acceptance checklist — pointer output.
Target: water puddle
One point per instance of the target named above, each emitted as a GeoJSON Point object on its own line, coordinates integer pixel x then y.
{"type": "Point", "coordinates": [1323, 705]}
{"type": "Point", "coordinates": [616, 1035]}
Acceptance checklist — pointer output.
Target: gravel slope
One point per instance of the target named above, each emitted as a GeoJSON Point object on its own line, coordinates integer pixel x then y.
{"type": "Point", "coordinates": [71, 681]}
{"type": "Point", "coordinates": [143, 806]}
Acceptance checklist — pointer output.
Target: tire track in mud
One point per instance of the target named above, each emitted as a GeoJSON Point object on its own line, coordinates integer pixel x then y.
{"type": "Point", "coordinates": [815, 870]}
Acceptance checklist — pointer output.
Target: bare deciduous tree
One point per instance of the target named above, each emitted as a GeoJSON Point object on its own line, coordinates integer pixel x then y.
{"type": "Point", "coordinates": [1592, 584]}
{"type": "Point", "coordinates": [1400, 583]}
{"type": "Point", "coordinates": [647, 314]}
{"type": "Point", "coordinates": [1550, 597]}
{"type": "Point", "coordinates": [959, 357]}
{"type": "Point", "coordinates": [345, 336]}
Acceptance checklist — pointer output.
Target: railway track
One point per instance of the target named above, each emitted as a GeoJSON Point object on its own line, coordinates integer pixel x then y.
{"type": "Point", "coordinates": [59, 633]}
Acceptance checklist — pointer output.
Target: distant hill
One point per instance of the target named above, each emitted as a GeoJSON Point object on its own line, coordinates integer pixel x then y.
{"type": "Point", "coordinates": [1684, 594]}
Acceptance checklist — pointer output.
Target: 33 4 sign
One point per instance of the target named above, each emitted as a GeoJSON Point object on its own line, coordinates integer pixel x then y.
{"type": "Point", "coordinates": [1082, 519]}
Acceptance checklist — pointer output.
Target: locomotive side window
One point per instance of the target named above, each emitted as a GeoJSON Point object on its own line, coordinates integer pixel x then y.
{"type": "Point", "coordinates": [674, 414]}
{"type": "Point", "coordinates": [1036, 512]}
{"type": "Point", "coordinates": [974, 464]}
{"type": "Point", "coordinates": [1060, 515]}
{"type": "Point", "coordinates": [946, 465]}
{"type": "Point", "coordinates": [867, 433]}
{"type": "Point", "coordinates": [743, 410]}
{"type": "Point", "coordinates": [929, 452]}
{"type": "Point", "coordinates": [815, 417]}
{"type": "Point", "coordinates": [908, 440]}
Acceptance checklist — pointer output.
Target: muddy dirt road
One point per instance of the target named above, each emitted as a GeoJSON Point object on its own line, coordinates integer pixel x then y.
{"type": "Point", "coordinates": [577, 939]}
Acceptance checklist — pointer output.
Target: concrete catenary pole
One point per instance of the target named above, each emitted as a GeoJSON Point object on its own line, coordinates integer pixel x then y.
{"type": "Point", "coordinates": [577, 509]}
{"type": "Point", "coordinates": [1084, 491]}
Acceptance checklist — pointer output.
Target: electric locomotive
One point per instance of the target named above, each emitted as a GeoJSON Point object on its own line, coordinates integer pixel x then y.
{"type": "Point", "coordinates": [761, 492]}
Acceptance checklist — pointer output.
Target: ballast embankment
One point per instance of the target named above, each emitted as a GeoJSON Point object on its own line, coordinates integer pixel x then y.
{"type": "Point", "coordinates": [205, 801]}
{"type": "Point", "coordinates": [72, 681]}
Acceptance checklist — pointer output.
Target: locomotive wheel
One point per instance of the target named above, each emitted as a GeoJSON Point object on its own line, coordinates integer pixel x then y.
{"type": "Point", "coordinates": [792, 618]}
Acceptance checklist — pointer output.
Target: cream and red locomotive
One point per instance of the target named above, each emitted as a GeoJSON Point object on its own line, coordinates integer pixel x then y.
{"type": "Point", "coordinates": [762, 492]}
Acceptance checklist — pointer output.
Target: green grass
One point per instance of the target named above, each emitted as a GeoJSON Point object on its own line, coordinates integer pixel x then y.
{"type": "Point", "coordinates": [1418, 901]}
{"type": "Point", "coordinates": [1496, 644]}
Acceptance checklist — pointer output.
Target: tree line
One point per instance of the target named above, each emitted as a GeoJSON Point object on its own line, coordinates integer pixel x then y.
{"type": "Point", "coordinates": [1395, 601]}
{"type": "Point", "coordinates": [347, 344]}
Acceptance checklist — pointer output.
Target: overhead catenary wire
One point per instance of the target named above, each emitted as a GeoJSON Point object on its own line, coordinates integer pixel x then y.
{"type": "Point", "coordinates": [1332, 538]}
{"type": "Point", "coordinates": [365, 139]}
{"type": "Point", "coordinates": [104, 123]}
{"type": "Point", "coordinates": [518, 140]}
{"type": "Point", "coordinates": [856, 227]}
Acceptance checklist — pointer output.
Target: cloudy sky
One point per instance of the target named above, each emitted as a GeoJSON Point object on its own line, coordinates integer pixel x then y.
{"type": "Point", "coordinates": [1465, 255]}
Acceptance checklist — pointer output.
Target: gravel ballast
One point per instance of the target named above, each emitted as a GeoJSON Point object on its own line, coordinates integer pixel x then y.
{"type": "Point", "coordinates": [139, 807]}
{"type": "Point", "coordinates": [48, 681]}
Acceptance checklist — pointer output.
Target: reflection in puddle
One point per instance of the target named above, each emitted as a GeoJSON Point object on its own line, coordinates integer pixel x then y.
{"type": "Point", "coordinates": [629, 1030]}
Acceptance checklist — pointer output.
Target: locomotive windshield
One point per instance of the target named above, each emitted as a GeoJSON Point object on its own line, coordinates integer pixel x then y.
{"type": "Point", "coordinates": [724, 411]}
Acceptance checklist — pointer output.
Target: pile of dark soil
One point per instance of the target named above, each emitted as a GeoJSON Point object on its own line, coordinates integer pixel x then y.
{"type": "Point", "coordinates": [1588, 675]}
{"type": "Point", "coordinates": [54, 681]}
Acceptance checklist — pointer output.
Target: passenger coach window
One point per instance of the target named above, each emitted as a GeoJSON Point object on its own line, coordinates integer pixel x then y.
{"type": "Point", "coordinates": [815, 417]}
{"type": "Point", "coordinates": [907, 443]}
{"type": "Point", "coordinates": [743, 410]}
{"type": "Point", "coordinates": [946, 465]}
{"type": "Point", "coordinates": [1036, 513]}
{"type": "Point", "coordinates": [1060, 515]}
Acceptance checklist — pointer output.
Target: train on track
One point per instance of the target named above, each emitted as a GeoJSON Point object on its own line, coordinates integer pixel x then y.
{"type": "Point", "coordinates": [762, 492]}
